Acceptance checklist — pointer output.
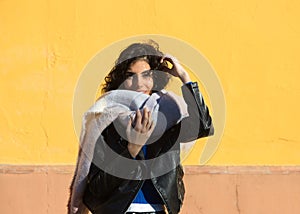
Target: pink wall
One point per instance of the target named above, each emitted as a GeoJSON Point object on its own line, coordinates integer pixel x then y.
{"type": "Point", "coordinates": [209, 190]}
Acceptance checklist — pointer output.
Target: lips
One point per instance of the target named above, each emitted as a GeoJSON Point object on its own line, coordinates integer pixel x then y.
{"type": "Point", "coordinates": [143, 91]}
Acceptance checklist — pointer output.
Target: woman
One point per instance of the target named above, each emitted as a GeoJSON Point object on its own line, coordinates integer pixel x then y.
{"type": "Point", "coordinates": [155, 187]}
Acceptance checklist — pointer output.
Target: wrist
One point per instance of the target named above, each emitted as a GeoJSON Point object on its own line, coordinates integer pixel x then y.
{"type": "Point", "coordinates": [134, 149]}
{"type": "Point", "coordinates": [185, 78]}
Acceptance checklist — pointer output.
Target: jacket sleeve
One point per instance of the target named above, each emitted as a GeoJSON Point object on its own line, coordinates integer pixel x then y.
{"type": "Point", "coordinates": [109, 154]}
{"type": "Point", "coordinates": [199, 123]}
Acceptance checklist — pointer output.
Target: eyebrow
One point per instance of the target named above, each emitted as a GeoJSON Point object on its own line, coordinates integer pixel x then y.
{"type": "Point", "coordinates": [132, 73]}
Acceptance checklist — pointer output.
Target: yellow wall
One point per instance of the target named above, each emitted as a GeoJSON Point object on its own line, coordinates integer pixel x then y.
{"type": "Point", "coordinates": [253, 46]}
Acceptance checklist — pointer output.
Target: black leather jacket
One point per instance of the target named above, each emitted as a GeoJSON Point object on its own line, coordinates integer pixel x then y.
{"type": "Point", "coordinates": [109, 194]}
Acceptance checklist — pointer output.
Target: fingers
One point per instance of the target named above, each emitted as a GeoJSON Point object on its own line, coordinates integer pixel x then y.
{"type": "Point", "coordinates": [145, 118]}
{"type": "Point", "coordinates": [169, 58]}
{"type": "Point", "coordinates": [152, 126]}
{"type": "Point", "coordinates": [138, 118]}
{"type": "Point", "coordinates": [129, 125]}
{"type": "Point", "coordinates": [176, 69]}
{"type": "Point", "coordinates": [167, 64]}
{"type": "Point", "coordinates": [170, 64]}
{"type": "Point", "coordinates": [150, 121]}
{"type": "Point", "coordinates": [138, 121]}
{"type": "Point", "coordinates": [143, 122]}
{"type": "Point", "coordinates": [143, 128]}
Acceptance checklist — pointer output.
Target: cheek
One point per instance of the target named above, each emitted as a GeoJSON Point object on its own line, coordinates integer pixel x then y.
{"type": "Point", "coordinates": [150, 84]}
{"type": "Point", "coordinates": [127, 84]}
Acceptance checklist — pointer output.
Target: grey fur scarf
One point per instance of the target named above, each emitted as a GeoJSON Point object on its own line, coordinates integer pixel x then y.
{"type": "Point", "coordinates": [167, 110]}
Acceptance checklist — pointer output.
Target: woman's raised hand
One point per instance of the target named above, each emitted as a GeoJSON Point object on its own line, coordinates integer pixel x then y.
{"type": "Point", "coordinates": [176, 70]}
{"type": "Point", "coordinates": [138, 135]}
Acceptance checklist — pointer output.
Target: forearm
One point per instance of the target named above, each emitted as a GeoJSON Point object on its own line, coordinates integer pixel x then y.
{"type": "Point", "coordinates": [199, 123]}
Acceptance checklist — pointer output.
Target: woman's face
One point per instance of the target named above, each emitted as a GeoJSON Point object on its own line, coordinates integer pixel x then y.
{"type": "Point", "coordinates": [139, 77]}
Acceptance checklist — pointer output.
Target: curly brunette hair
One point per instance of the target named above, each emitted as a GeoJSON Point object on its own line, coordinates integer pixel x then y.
{"type": "Point", "coordinates": [137, 51]}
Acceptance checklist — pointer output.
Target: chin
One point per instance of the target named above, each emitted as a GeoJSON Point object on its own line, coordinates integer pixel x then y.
{"type": "Point", "coordinates": [144, 92]}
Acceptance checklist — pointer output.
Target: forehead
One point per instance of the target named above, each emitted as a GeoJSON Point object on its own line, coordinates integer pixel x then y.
{"type": "Point", "coordinates": [139, 66]}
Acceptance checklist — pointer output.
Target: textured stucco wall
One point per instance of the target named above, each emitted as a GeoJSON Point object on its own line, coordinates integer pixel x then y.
{"type": "Point", "coordinates": [253, 46]}
{"type": "Point", "coordinates": [209, 190]}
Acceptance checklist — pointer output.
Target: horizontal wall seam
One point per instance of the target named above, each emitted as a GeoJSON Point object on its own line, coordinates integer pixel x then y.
{"type": "Point", "coordinates": [190, 170]}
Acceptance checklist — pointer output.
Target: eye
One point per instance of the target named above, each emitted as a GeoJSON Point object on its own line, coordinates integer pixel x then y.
{"type": "Point", "coordinates": [129, 74]}
{"type": "Point", "coordinates": [147, 73]}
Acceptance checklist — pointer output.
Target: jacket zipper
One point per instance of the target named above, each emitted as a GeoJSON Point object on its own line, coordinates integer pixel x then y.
{"type": "Point", "coordinates": [139, 187]}
{"type": "Point", "coordinates": [161, 196]}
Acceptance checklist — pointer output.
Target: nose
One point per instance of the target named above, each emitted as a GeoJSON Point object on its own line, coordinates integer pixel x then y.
{"type": "Point", "coordinates": [137, 81]}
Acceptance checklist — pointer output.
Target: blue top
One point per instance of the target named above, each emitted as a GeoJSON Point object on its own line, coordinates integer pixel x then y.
{"type": "Point", "coordinates": [147, 194]}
